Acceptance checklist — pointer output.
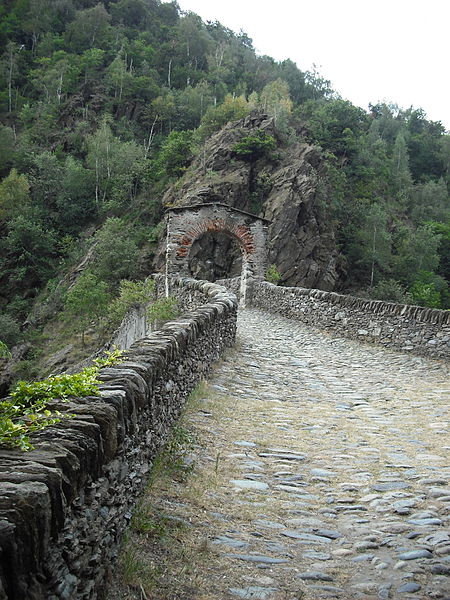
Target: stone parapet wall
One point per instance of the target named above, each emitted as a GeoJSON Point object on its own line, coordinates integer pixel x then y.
{"type": "Point", "coordinates": [424, 331]}
{"type": "Point", "coordinates": [233, 284]}
{"type": "Point", "coordinates": [64, 506]}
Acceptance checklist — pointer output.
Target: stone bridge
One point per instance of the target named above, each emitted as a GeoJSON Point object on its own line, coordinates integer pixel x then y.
{"type": "Point", "coordinates": [322, 462]}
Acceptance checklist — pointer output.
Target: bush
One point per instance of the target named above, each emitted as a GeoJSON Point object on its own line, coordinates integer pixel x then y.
{"type": "Point", "coordinates": [162, 310]}
{"type": "Point", "coordinates": [131, 294]}
{"type": "Point", "coordinates": [25, 410]}
{"type": "Point", "coordinates": [273, 275]}
{"type": "Point", "coordinates": [116, 253]}
{"type": "Point", "coordinates": [389, 290]}
{"type": "Point", "coordinates": [10, 330]}
{"type": "Point", "coordinates": [4, 350]}
{"type": "Point", "coordinates": [255, 146]}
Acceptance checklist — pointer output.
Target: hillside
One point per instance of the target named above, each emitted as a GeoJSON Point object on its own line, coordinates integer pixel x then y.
{"type": "Point", "coordinates": [111, 110]}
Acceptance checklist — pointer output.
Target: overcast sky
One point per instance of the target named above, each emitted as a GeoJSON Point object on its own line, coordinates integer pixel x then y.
{"type": "Point", "coordinates": [383, 50]}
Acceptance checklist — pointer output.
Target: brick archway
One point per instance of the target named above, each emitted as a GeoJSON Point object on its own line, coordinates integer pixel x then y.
{"type": "Point", "coordinates": [187, 223]}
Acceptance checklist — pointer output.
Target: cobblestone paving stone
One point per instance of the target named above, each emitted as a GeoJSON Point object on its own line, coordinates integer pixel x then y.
{"type": "Point", "coordinates": [334, 463]}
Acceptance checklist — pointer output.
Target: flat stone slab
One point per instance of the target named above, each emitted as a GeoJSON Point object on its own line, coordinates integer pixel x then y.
{"type": "Point", "coordinates": [258, 558]}
{"type": "Point", "coordinates": [282, 455]}
{"type": "Point", "coordinates": [249, 484]}
{"type": "Point", "coordinates": [415, 554]}
{"type": "Point", "coordinates": [306, 537]}
{"type": "Point", "coordinates": [253, 592]}
{"type": "Point", "coordinates": [314, 576]}
{"type": "Point", "coordinates": [390, 485]}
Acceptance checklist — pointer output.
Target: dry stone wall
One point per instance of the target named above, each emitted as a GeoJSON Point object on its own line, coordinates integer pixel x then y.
{"type": "Point", "coordinates": [424, 331]}
{"type": "Point", "coordinates": [64, 506]}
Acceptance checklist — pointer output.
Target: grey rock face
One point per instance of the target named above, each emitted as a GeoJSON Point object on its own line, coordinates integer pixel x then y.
{"type": "Point", "coordinates": [292, 192]}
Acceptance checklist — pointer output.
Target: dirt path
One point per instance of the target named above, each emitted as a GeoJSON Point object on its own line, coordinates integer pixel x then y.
{"type": "Point", "coordinates": [321, 470]}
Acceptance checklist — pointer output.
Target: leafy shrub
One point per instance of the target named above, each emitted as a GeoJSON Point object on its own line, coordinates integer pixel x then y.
{"type": "Point", "coordinates": [25, 410]}
{"type": "Point", "coordinates": [4, 350]}
{"type": "Point", "coordinates": [424, 292]}
{"type": "Point", "coordinates": [175, 154]}
{"type": "Point", "coordinates": [389, 290]}
{"type": "Point", "coordinates": [131, 293]}
{"type": "Point", "coordinates": [116, 253]}
{"type": "Point", "coordinates": [273, 275]}
{"type": "Point", "coordinates": [10, 329]}
{"type": "Point", "coordinates": [86, 302]}
{"type": "Point", "coordinates": [215, 117]}
{"type": "Point", "coordinates": [255, 146]}
{"type": "Point", "coordinates": [162, 310]}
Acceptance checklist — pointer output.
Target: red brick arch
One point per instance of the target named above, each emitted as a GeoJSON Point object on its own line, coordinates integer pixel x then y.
{"type": "Point", "coordinates": [241, 233]}
{"type": "Point", "coordinates": [185, 224]}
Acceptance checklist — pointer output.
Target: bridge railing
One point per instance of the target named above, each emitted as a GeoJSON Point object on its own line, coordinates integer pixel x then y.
{"type": "Point", "coordinates": [423, 331]}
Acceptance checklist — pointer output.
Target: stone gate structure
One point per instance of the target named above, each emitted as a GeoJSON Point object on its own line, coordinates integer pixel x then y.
{"type": "Point", "coordinates": [185, 224]}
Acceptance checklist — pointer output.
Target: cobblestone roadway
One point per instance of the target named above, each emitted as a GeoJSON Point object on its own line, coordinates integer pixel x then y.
{"type": "Point", "coordinates": [335, 466]}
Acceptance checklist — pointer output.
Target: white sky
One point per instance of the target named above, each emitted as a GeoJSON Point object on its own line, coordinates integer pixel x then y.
{"type": "Point", "coordinates": [371, 50]}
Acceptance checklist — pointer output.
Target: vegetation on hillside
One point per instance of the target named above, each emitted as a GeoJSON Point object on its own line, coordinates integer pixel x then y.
{"type": "Point", "coordinates": [103, 104]}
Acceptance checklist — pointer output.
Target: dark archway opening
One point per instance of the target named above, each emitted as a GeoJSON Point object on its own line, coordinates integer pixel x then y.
{"type": "Point", "coordinates": [215, 255]}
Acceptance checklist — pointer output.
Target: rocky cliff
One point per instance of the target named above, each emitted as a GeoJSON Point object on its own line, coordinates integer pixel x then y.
{"type": "Point", "coordinates": [289, 188]}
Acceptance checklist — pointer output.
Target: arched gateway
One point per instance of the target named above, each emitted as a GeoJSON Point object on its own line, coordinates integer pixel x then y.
{"type": "Point", "coordinates": [185, 224]}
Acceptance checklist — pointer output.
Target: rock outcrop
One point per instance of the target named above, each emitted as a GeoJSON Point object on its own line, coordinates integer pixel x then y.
{"type": "Point", "coordinates": [289, 188]}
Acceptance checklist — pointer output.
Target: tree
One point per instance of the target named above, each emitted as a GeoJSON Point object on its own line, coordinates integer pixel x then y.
{"type": "Point", "coordinates": [215, 117]}
{"type": "Point", "coordinates": [418, 252]}
{"type": "Point", "coordinates": [7, 148]}
{"type": "Point", "coordinates": [86, 303]}
{"type": "Point", "coordinates": [175, 154]}
{"type": "Point", "coordinates": [4, 350]}
{"type": "Point", "coordinates": [255, 146]}
{"type": "Point", "coordinates": [376, 240]}
{"type": "Point", "coordinates": [429, 290]}
{"type": "Point", "coordinates": [116, 253]}
{"type": "Point", "coordinates": [327, 121]}
{"type": "Point", "coordinates": [75, 202]}
{"type": "Point", "coordinates": [276, 101]}
{"type": "Point", "coordinates": [90, 29]}
{"type": "Point", "coordinates": [430, 202]}
{"type": "Point", "coordinates": [14, 195]}
{"type": "Point", "coordinates": [400, 164]}
{"type": "Point", "coordinates": [28, 253]}
{"type": "Point", "coordinates": [116, 164]}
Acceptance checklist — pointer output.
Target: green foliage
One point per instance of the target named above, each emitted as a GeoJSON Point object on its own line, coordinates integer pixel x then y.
{"type": "Point", "coordinates": [4, 350]}
{"type": "Point", "coordinates": [86, 302]}
{"type": "Point", "coordinates": [231, 109]}
{"type": "Point", "coordinates": [105, 103]}
{"type": "Point", "coordinates": [375, 241]}
{"type": "Point", "coordinates": [25, 410]}
{"type": "Point", "coordinates": [424, 293]}
{"type": "Point", "coordinates": [10, 330]}
{"type": "Point", "coordinates": [163, 309]}
{"type": "Point", "coordinates": [14, 194]}
{"type": "Point", "coordinates": [175, 155]}
{"type": "Point", "coordinates": [273, 275]}
{"type": "Point", "coordinates": [255, 146]}
{"type": "Point", "coordinates": [389, 290]}
{"type": "Point", "coordinates": [110, 358]}
{"type": "Point", "coordinates": [27, 394]}
{"type": "Point", "coordinates": [417, 251]}
{"type": "Point", "coordinates": [132, 293]}
{"type": "Point", "coordinates": [334, 124]}
{"type": "Point", "coordinates": [261, 186]}
{"type": "Point", "coordinates": [276, 101]}
{"type": "Point", "coordinates": [430, 290]}
{"type": "Point", "coordinates": [116, 252]}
